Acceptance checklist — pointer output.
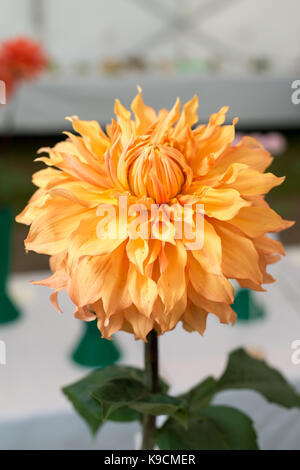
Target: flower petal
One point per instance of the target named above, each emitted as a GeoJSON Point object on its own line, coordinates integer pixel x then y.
{"type": "Point", "coordinates": [210, 256]}
{"type": "Point", "coordinates": [142, 291]}
{"type": "Point", "coordinates": [140, 324]}
{"type": "Point", "coordinates": [251, 182]}
{"type": "Point", "coordinates": [211, 286]}
{"type": "Point", "coordinates": [171, 284]}
{"type": "Point", "coordinates": [222, 204]}
{"type": "Point", "coordinates": [242, 261]}
{"type": "Point", "coordinates": [256, 221]}
{"type": "Point", "coordinates": [50, 229]}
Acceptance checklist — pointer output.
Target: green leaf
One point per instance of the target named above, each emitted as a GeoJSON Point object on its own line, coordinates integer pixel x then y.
{"type": "Point", "coordinates": [201, 394]}
{"type": "Point", "coordinates": [158, 404]}
{"type": "Point", "coordinates": [133, 394]}
{"type": "Point", "coordinates": [245, 372]}
{"type": "Point", "coordinates": [211, 428]}
{"type": "Point", "coordinates": [124, 414]}
{"type": "Point", "coordinates": [118, 393]}
{"type": "Point", "coordinates": [89, 409]}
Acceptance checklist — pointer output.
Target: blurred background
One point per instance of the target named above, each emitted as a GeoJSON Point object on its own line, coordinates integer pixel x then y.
{"type": "Point", "coordinates": [75, 57]}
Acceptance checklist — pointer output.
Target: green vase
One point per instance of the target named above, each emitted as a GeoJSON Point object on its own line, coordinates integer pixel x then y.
{"type": "Point", "coordinates": [246, 307]}
{"type": "Point", "coordinates": [93, 350]}
{"type": "Point", "coordinates": [8, 311]}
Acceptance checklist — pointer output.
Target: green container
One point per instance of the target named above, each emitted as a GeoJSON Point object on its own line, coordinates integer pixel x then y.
{"type": "Point", "coordinates": [93, 350]}
{"type": "Point", "coordinates": [8, 311]}
{"type": "Point", "coordinates": [246, 306]}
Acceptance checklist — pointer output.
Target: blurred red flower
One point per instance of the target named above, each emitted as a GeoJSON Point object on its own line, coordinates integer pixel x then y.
{"type": "Point", "coordinates": [20, 59]}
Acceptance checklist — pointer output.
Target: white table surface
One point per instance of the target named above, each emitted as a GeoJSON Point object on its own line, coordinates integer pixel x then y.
{"type": "Point", "coordinates": [35, 414]}
{"type": "Point", "coordinates": [259, 101]}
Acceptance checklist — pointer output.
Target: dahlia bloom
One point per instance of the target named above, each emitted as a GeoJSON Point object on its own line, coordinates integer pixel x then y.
{"type": "Point", "coordinates": [20, 59]}
{"type": "Point", "coordinates": [137, 283]}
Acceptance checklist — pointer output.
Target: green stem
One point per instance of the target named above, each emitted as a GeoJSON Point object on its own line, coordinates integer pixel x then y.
{"type": "Point", "coordinates": [151, 381]}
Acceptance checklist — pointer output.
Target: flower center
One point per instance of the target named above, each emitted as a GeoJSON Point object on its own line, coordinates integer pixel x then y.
{"type": "Point", "coordinates": [159, 172]}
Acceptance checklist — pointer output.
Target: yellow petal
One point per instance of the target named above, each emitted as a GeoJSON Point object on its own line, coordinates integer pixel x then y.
{"type": "Point", "coordinates": [140, 324]}
{"type": "Point", "coordinates": [101, 277]}
{"type": "Point", "coordinates": [222, 204]}
{"type": "Point", "coordinates": [221, 309]}
{"type": "Point", "coordinates": [84, 241]}
{"type": "Point", "coordinates": [239, 256]}
{"type": "Point", "coordinates": [84, 172]}
{"type": "Point", "coordinates": [144, 115]}
{"type": "Point", "coordinates": [171, 284]}
{"type": "Point", "coordinates": [47, 176]}
{"type": "Point", "coordinates": [50, 230]}
{"type": "Point", "coordinates": [195, 318]}
{"type": "Point", "coordinates": [267, 245]}
{"type": "Point", "coordinates": [249, 151]}
{"type": "Point", "coordinates": [34, 207]}
{"type": "Point", "coordinates": [84, 313]}
{"type": "Point", "coordinates": [211, 286]}
{"type": "Point", "coordinates": [165, 122]}
{"type": "Point", "coordinates": [137, 252]}
{"type": "Point", "coordinates": [251, 182]}
{"type": "Point", "coordinates": [94, 135]}
{"type": "Point", "coordinates": [142, 291]}
{"type": "Point", "coordinates": [187, 119]}
{"type": "Point", "coordinates": [210, 256]}
{"type": "Point", "coordinates": [124, 120]}
{"type": "Point", "coordinates": [256, 221]}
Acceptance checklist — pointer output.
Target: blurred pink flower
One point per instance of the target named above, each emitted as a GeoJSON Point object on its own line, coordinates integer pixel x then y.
{"type": "Point", "coordinates": [274, 142]}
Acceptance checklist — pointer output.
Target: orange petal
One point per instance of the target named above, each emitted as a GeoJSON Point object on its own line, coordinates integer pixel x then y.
{"type": "Point", "coordinates": [165, 122]}
{"type": "Point", "coordinates": [256, 221]}
{"type": "Point", "coordinates": [267, 245]}
{"type": "Point", "coordinates": [50, 229]}
{"type": "Point", "coordinates": [239, 256]}
{"type": "Point", "coordinates": [221, 309]}
{"type": "Point", "coordinates": [140, 324]}
{"type": "Point", "coordinates": [195, 318]}
{"type": "Point", "coordinates": [142, 291]}
{"type": "Point", "coordinates": [84, 241]}
{"type": "Point", "coordinates": [222, 204]}
{"type": "Point", "coordinates": [144, 115]}
{"type": "Point", "coordinates": [187, 119]}
{"type": "Point", "coordinates": [249, 151]}
{"type": "Point", "coordinates": [251, 182]}
{"type": "Point", "coordinates": [211, 286]}
{"type": "Point", "coordinates": [210, 256]}
{"type": "Point", "coordinates": [171, 284]}
{"type": "Point", "coordinates": [124, 121]}
{"type": "Point", "coordinates": [137, 252]}
{"type": "Point", "coordinates": [92, 132]}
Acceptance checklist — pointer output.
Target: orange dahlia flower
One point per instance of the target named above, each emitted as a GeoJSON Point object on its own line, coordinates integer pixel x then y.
{"type": "Point", "coordinates": [135, 283]}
